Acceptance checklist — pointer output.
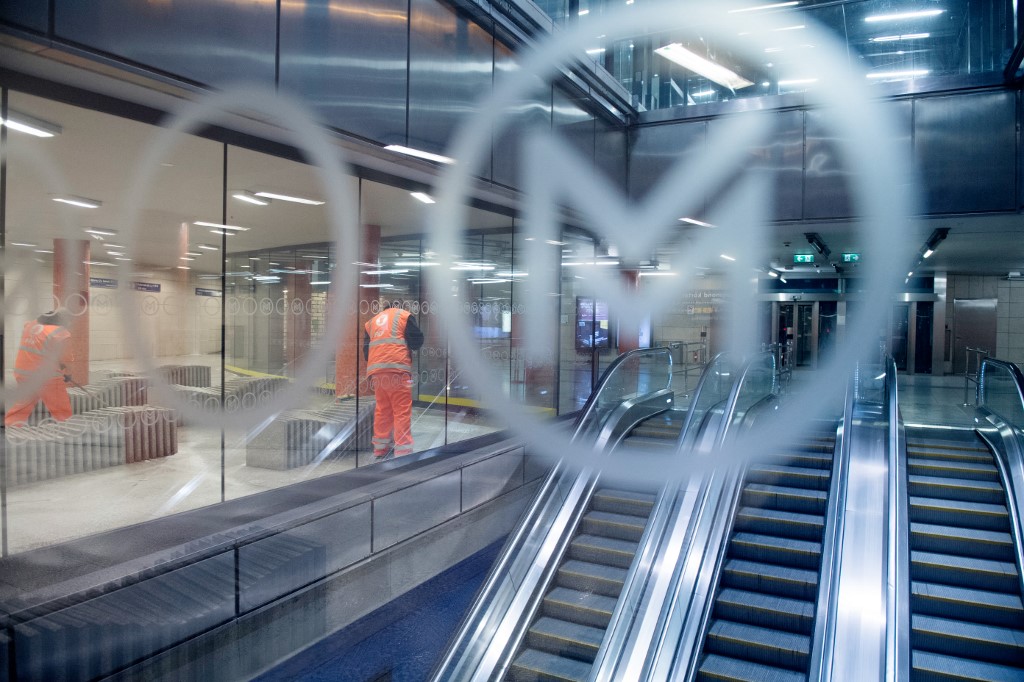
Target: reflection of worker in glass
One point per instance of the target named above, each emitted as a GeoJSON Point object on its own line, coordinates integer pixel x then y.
{"type": "Point", "coordinates": [44, 350]}
{"type": "Point", "coordinates": [390, 338]}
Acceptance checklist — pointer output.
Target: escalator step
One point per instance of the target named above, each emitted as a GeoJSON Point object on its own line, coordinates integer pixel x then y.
{"type": "Point", "coordinates": [970, 640]}
{"type": "Point", "coordinates": [929, 667]}
{"type": "Point", "coordinates": [770, 579]}
{"type": "Point", "coordinates": [775, 550]}
{"type": "Point", "coordinates": [984, 544]}
{"type": "Point", "coordinates": [533, 665]}
{"type": "Point", "coordinates": [790, 476]}
{"type": "Point", "coordinates": [801, 459]}
{"type": "Point", "coordinates": [765, 610]}
{"type": "Point", "coordinates": [782, 523]}
{"type": "Point", "coordinates": [716, 668]}
{"type": "Point", "coordinates": [951, 469]}
{"type": "Point", "coordinates": [602, 550]}
{"type": "Point", "coordinates": [978, 515]}
{"type": "Point", "coordinates": [579, 607]}
{"type": "Point", "coordinates": [986, 492]}
{"type": "Point", "coordinates": [623, 502]}
{"type": "Point", "coordinates": [946, 601]}
{"type": "Point", "coordinates": [760, 645]}
{"type": "Point", "coordinates": [649, 444]}
{"type": "Point", "coordinates": [789, 499]}
{"type": "Point", "coordinates": [948, 569]}
{"type": "Point", "coordinates": [562, 638]}
{"type": "Point", "coordinates": [611, 525]}
{"type": "Point", "coordinates": [589, 577]}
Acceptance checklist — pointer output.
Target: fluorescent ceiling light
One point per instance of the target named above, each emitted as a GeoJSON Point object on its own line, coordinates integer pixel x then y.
{"type": "Point", "coordinates": [207, 247]}
{"type": "Point", "coordinates": [422, 196]}
{"type": "Point", "coordinates": [98, 262]}
{"type": "Point", "coordinates": [657, 273]}
{"type": "Point", "coordinates": [31, 125]}
{"type": "Point", "coordinates": [899, 16]}
{"type": "Point", "coordinates": [219, 226]}
{"type": "Point", "coordinates": [757, 8]}
{"type": "Point", "coordinates": [320, 284]}
{"type": "Point", "coordinates": [928, 252]}
{"type": "Point", "coordinates": [82, 202]}
{"type": "Point", "coordinates": [375, 286]}
{"type": "Point", "coordinates": [702, 93]}
{"type": "Point", "coordinates": [910, 274]}
{"type": "Point", "coordinates": [590, 262]}
{"type": "Point", "coordinates": [419, 153]}
{"type": "Point", "coordinates": [899, 74]}
{"type": "Point", "coordinates": [584, 12]}
{"type": "Point", "coordinates": [383, 272]}
{"type": "Point", "coordinates": [122, 258]}
{"type": "Point", "coordinates": [101, 231]}
{"type": "Point", "coordinates": [488, 281]}
{"type": "Point", "coordinates": [596, 51]}
{"type": "Point", "coordinates": [413, 264]}
{"type": "Point", "coordinates": [798, 81]}
{"type": "Point", "coordinates": [249, 198]}
{"type": "Point", "coordinates": [187, 258]}
{"type": "Point", "coordinates": [25, 244]}
{"type": "Point", "coordinates": [675, 52]}
{"type": "Point", "coordinates": [694, 221]}
{"type": "Point", "coordinates": [772, 273]}
{"type": "Point", "coordinates": [115, 253]}
{"type": "Point", "coordinates": [790, 28]}
{"type": "Point", "coordinates": [288, 197]}
{"type": "Point", "coordinates": [905, 36]}
{"type": "Point", "coordinates": [187, 253]}
{"type": "Point", "coordinates": [472, 266]}
{"type": "Point", "coordinates": [184, 267]}
{"type": "Point", "coordinates": [727, 257]}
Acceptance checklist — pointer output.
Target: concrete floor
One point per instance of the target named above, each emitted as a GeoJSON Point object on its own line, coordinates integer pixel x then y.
{"type": "Point", "coordinates": [202, 473]}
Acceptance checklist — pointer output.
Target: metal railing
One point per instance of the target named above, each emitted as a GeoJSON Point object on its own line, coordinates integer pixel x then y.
{"type": "Point", "coordinates": [978, 355]}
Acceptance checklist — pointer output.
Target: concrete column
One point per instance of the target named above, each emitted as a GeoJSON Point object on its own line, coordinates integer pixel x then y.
{"type": "Point", "coordinates": [71, 287]}
{"type": "Point", "coordinates": [629, 339]}
{"type": "Point", "coordinates": [298, 327]}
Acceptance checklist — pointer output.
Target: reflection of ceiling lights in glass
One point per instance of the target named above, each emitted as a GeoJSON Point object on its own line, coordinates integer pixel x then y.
{"type": "Point", "coordinates": [675, 52]}
{"type": "Point", "coordinates": [797, 81]}
{"type": "Point", "coordinates": [694, 221]}
{"type": "Point", "coordinates": [31, 125]}
{"type": "Point", "coordinates": [219, 226]}
{"type": "Point", "coordinates": [288, 197]}
{"type": "Point", "coordinates": [207, 247]}
{"type": "Point", "coordinates": [702, 93]}
{"type": "Point", "coordinates": [419, 153]}
{"type": "Point", "coordinates": [101, 232]}
{"type": "Point", "coordinates": [755, 8]}
{"type": "Point", "coordinates": [29, 245]}
{"type": "Point", "coordinates": [422, 196]}
{"type": "Point", "coordinates": [727, 257]}
{"type": "Point", "coordinates": [249, 198]}
{"type": "Point", "coordinates": [372, 286]}
{"type": "Point", "coordinates": [81, 202]}
{"type": "Point", "coordinates": [384, 272]}
{"type": "Point", "coordinates": [413, 264]}
{"type": "Point", "coordinates": [900, 16]}
{"type": "Point", "coordinates": [898, 75]}
{"type": "Point", "coordinates": [905, 36]}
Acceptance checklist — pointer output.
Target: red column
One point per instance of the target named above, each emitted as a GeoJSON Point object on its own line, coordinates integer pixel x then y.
{"type": "Point", "coordinates": [629, 339]}
{"type": "Point", "coordinates": [71, 288]}
{"type": "Point", "coordinates": [298, 329]}
{"type": "Point", "coordinates": [349, 363]}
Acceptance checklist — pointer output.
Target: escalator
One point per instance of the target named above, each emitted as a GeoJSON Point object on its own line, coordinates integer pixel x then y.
{"type": "Point", "coordinates": [763, 615]}
{"type": "Point", "coordinates": [967, 619]}
{"type": "Point", "coordinates": [564, 638]}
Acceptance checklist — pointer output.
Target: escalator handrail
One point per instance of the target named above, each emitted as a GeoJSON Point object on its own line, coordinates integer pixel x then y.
{"type": "Point", "coordinates": [533, 518]}
{"type": "Point", "coordinates": [1009, 367]}
{"type": "Point", "coordinates": [724, 428]}
{"type": "Point", "coordinates": [590, 406]}
{"type": "Point", "coordinates": [897, 602]}
{"type": "Point", "coordinates": [652, 547]}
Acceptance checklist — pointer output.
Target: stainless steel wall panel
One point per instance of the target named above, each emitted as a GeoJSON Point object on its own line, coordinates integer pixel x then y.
{"type": "Point", "coordinates": [532, 112]}
{"type": "Point", "coordinates": [216, 42]}
{"type": "Point", "coordinates": [31, 14]}
{"type": "Point", "coordinates": [450, 68]}
{"type": "Point", "coordinates": [410, 511]}
{"type": "Point", "coordinates": [571, 120]}
{"type": "Point", "coordinates": [965, 146]}
{"type": "Point", "coordinates": [347, 60]}
{"type": "Point", "coordinates": [827, 188]}
{"type": "Point", "coordinates": [486, 480]}
{"type": "Point", "coordinates": [610, 152]}
{"type": "Point", "coordinates": [781, 154]}
{"type": "Point", "coordinates": [654, 149]}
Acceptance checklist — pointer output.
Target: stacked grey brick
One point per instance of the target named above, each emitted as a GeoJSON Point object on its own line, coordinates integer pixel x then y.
{"type": "Point", "coordinates": [298, 437]}
{"type": "Point", "coordinates": [111, 392]}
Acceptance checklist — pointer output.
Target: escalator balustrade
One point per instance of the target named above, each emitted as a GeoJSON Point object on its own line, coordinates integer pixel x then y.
{"type": "Point", "coordinates": [967, 620]}
{"type": "Point", "coordinates": [564, 638]}
{"type": "Point", "coordinates": [762, 620]}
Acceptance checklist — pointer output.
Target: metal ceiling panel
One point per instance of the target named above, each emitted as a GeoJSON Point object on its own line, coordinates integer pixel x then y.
{"type": "Point", "coordinates": [347, 59]}
{"type": "Point", "coordinates": [533, 112]}
{"type": "Point", "coordinates": [654, 149]}
{"type": "Point", "coordinates": [215, 43]}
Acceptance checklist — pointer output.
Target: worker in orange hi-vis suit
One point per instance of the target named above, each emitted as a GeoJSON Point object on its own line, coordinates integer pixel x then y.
{"type": "Point", "coordinates": [44, 351]}
{"type": "Point", "coordinates": [391, 337]}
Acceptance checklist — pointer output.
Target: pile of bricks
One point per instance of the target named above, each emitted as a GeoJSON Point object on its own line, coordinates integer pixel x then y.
{"type": "Point", "coordinates": [299, 437]}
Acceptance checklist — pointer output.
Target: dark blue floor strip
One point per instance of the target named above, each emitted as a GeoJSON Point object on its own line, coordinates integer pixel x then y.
{"type": "Point", "coordinates": [400, 642]}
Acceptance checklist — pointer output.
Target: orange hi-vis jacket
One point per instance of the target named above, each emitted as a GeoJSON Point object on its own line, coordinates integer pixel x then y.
{"type": "Point", "coordinates": [389, 351]}
{"type": "Point", "coordinates": [44, 348]}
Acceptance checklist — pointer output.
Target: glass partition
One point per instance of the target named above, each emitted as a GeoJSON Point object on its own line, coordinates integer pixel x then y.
{"type": "Point", "coordinates": [632, 375]}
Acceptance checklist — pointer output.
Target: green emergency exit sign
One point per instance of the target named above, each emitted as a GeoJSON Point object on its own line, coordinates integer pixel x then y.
{"type": "Point", "coordinates": [803, 257]}
{"type": "Point", "coordinates": [851, 257]}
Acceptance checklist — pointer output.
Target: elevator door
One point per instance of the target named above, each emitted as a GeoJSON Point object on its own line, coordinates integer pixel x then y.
{"type": "Point", "coordinates": [974, 326]}
{"type": "Point", "coordinates": [796, 325]}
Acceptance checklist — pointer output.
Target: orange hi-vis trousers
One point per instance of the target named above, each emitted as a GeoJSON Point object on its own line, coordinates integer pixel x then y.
{"type": "Point", "coordinates": [53, 393]}
{"type": "Point", "coordinates": [392, 416]}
